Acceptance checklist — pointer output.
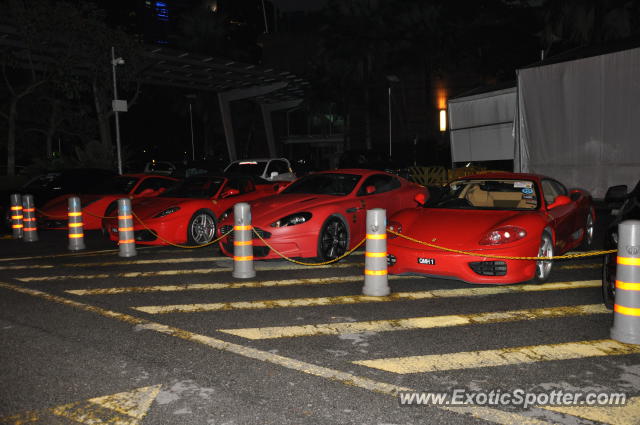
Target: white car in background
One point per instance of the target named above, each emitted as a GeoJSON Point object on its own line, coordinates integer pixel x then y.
{"type": "Point", "coordinates": [270, 169]}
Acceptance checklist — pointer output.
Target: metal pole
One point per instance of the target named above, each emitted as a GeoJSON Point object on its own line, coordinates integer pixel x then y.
{"type": "Point", "coordinates": [376, 282]}
{"type": "Point", "coordinates": [389, 122]}
{"type": "Point", "coordinates": [115, 97]}
{"type": "Point", "coordinates": [193, 146]}
{"type": "Point", "coordinates": [264, 14]}
{"type": "Point", "coordinates": [626, 311]}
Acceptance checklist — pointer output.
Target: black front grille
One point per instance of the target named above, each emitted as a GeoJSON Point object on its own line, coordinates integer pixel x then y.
{"type": "Point", "coordinates": [258, 251]}
{"type": "Point", "coordinates": [228, 228]}
{"type": "Point", "coordinates": [489, 268]}
{"type": "Point", "coordinates": [49, 224]}
{"type": "Point", "coordinates": [144, 236]}
{"type": "Point", "coordinates": [391, 260]}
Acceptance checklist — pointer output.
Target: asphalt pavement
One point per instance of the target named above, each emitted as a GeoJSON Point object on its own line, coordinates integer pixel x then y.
{"type": "Point", "coordinates": [170, 337]}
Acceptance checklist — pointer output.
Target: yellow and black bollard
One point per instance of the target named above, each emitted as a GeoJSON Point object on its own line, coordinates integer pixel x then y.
{"type": "Point", "coordinates": [626, 311]}
{"type": "Point", "coordinates": [17, 225]}
{"type": "Point", "coordinates": [242, 242]}
{"type": "Point", "coordinates": [76, 227]}
{"type": "Point", "coordinates": [126, 238]}
{"type": "Point", "coordinates": [375, 262]}
{"type": "Point", "coordinates": [30, 226]}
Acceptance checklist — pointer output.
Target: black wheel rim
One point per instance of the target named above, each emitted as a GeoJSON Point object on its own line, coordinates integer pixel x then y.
{"type": "Point", "coordinates": [333, 241]}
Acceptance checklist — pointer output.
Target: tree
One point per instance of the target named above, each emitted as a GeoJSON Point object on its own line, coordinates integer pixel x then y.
{"type": "Point", "coordinates": [65, 49]}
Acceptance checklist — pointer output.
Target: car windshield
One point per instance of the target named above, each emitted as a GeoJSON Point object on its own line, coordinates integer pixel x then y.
{"type": "Point", "coordinates": [324, 184]}
{"type": "Point", "coordinates": [246, 168]}
{"type": "Point", "coordinates": [124, 184]}
{"type": "Point", "coordinates": [493, 194]}
{"type": "Point", "coordinates": [196, 187]}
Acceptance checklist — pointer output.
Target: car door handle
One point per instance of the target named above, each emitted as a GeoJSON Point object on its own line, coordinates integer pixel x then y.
{"type": "Point", "coordinates": [353, 209]}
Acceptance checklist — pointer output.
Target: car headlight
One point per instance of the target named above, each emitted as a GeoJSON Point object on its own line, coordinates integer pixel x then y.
{"type": "Point", "coordinates": [292, 220]}
{"type": "Point", "coordinates": [502, 235]}
{"type": "Point", "coordinates": [226, 214]}
{"type": "Point", "coordinates": [166, 212]}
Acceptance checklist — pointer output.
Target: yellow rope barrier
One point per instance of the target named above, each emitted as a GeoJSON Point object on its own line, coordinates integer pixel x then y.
{"type": "Point", "coordinates": [505, 257]}
{"type": "Point", "coordinates": [308, 264]}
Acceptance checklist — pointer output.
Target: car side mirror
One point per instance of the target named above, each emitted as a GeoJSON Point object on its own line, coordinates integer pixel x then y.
{"type": "Point", "coordinates": [420, 198]}
{"type": "Point", "coordinates": [616, 193]}
{"type": "Point", "coordinates": [559, 201]}
{"type": "Point", "coordinates": [370, 189]}
{"type": "Point", "coordinates": [230, 192]}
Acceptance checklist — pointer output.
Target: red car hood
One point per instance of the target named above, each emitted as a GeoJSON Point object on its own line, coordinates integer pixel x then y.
{"type": "Point", "coordinates": [457, 229]}
{"type": "Point", "coordinates": [148, 207]}
{"type": "Point", "coordinates": [274, 207]}
{"type": "Point", "coordinates": [61, 203]}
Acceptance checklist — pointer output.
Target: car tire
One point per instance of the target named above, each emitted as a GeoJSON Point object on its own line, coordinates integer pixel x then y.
{"type": "Point", "coordinates": [333, 240]}
{"type": "Point", "coordinates": [609, 281]}
{"type": "Point", "coordinates": [543, 267]}
{"type": "Point", "coordinates": [110, 212]}
{"type": "Point", "coordinates": [589, 228]}
{"type": "Point", "coordinates": [202, 228]}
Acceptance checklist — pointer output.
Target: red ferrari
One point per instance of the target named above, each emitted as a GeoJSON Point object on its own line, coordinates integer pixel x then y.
{"type": "Point", "coordinates": [189, 211]}
{"type": "Point", "coordinates": [53, 215]}
{"type": "Point", "coordinates": [501, 214]}
{"type": "Point", "coordinates": [322, 215]}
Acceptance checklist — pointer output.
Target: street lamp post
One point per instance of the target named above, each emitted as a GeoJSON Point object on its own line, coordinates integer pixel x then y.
{"type": "Point", "coordinates": [191, 97]}
{"type": "Point", "coordinates": [392, 79]}
{"type": "Point", "coordinates": [117, 105]}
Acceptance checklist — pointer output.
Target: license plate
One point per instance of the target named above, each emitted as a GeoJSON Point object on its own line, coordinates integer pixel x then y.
{"type": "Point", "coordinates": [427, 261]}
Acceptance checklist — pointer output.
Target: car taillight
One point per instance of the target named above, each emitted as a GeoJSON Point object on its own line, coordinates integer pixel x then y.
{"type": "Point", "coordinates": [502, 235]}
{"type": "Point", "coordinates": [394, 226]}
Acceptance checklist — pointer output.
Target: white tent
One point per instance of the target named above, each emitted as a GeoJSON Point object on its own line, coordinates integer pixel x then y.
{"type": "Point", "coordinates": [481, 126]}
{"type": "Point", "coordinates": [579, 121]}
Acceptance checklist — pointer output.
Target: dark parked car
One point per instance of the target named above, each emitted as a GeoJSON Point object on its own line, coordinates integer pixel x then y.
{"type": "Point", "coordinates": [47, 186]}
{"type": "Point", "coordinates": [629, 210]}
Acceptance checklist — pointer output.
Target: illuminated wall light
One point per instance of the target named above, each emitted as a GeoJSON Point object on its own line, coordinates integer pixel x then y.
{"type": "Point", "coordinates": [443, 120]}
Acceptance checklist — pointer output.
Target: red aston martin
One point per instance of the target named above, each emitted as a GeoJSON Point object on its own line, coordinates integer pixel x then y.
{"type": "Point", "coordinates": [501, 214]}
{"type": "Point", "coordinates": [53, 215]}
{"type": "Point", "coordinates": [322, 215]}
{"type": "Point", "coordinates": [188, 212]}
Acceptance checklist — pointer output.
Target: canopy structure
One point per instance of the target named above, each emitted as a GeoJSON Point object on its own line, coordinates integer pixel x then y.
{"type": "Point", "coordinates": [577, 121]}
{"type": "Point", "coordinates": [481, 125]}
{"type": "Point", "coordinates": [273, 89]}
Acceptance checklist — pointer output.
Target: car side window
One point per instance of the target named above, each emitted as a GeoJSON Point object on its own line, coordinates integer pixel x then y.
{"type": "Point", "coordinates": [243, 185]}
{"type": "Point", "coordinates": [278, 166]}
{"type": "Point", "coordinates": [154, 184]}
{"type": "Point", "coordinates": [552, 189]}
{"type": "Point", "coordinates": [381, 182]}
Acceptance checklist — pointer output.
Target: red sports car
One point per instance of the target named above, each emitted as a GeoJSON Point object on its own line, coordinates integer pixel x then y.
{"type": "Point", "coordinates": [53, 215]}
{"type": "Point", "coordinates": [322, 215]}
{"type": "Point", "coordinates": [188, 212]}
{"type": "Point", "coordinates": [501, 214]}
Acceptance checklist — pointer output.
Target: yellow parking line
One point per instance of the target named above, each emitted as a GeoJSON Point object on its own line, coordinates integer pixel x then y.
{"type": "Point", "coordinates": [492, 415]}
{"type": "Point", "coordinates": [215, 286]}
{"type": "Point", "coordinates": [580, 266]}
{"type": "Point", "coordinates": [501, 357]}
{"type": "Point", "coordinates": [180, 260]}
{"type": "Point", "coordinates": [32, 266]}
{"type": "Point", "coordinates": [261, 267]}
{"type": "Point", "coordinates": [355, 299]}
{"type": "Point", "coordinates": [72, 254]}
{"type": "Point", "coordinates": [415, 322]}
